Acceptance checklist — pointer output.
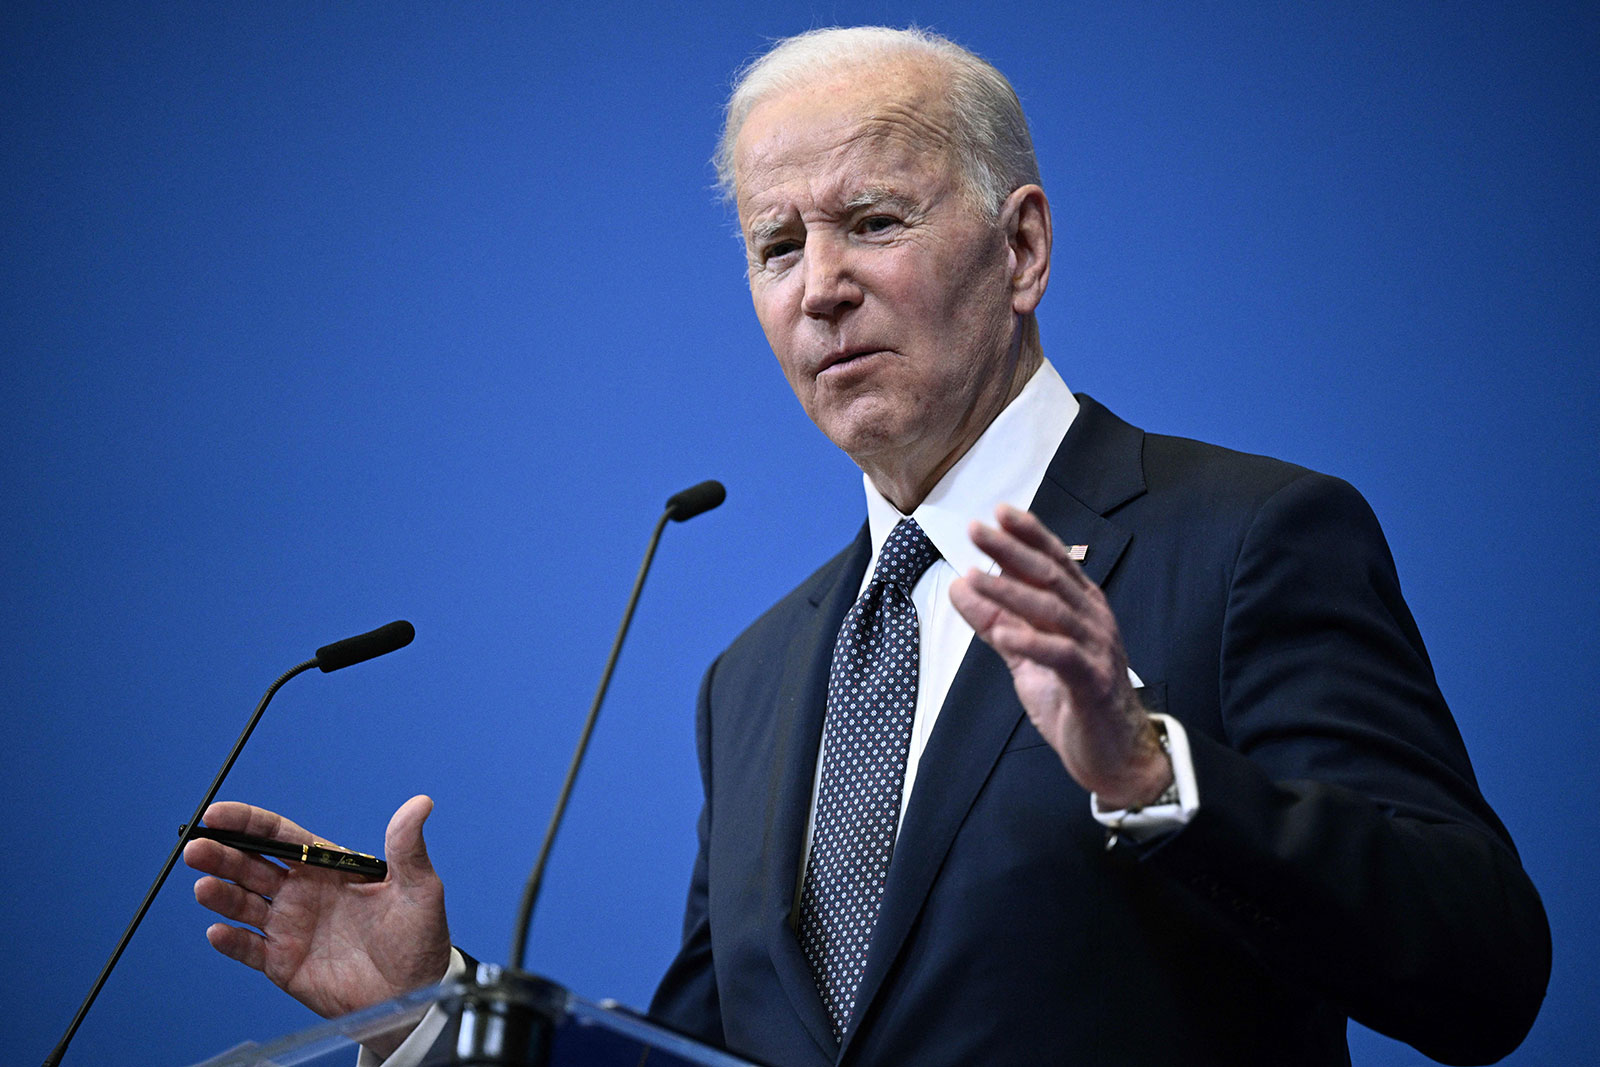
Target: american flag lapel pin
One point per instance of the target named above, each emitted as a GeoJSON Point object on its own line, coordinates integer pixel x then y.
{"type": "Point", "coordinates": [1077, 553]}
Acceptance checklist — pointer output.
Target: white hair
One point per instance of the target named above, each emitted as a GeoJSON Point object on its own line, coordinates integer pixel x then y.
{"type": "Point", "coordinates": [990, 131]}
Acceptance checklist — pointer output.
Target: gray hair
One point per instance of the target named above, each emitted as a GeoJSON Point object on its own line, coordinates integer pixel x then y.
{"type": "Point", "coordinates": [991, 133]}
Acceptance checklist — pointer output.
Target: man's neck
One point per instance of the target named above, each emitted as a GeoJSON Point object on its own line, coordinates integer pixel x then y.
{"type": "Point", "coordinates": [1005, 465]}
{"type": "Point", "coordinates": [907, 483]}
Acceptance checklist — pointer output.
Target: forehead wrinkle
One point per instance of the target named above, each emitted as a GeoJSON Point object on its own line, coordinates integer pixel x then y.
{"type": "Point", "coordinates": [892, 137]}
{"type": "Point", "coordinates": [914, 120]}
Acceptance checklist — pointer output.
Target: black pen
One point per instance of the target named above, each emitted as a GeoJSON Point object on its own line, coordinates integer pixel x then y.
{"type": "Point", "coordinates": [316, 854]}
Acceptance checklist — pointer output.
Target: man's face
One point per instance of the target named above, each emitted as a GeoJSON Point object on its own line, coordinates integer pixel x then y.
{"type": "Point", "coordinates": [884, 291]}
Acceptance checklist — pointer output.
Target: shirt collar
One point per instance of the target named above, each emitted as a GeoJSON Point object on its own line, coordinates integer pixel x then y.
{"type": "Point", "coordinates": [1004, 465]}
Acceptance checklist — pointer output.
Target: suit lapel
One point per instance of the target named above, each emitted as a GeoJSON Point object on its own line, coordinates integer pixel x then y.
{"type": "Point", "coordinates": [802, 704]}
{"type": "Point", "coordinates": [1097, 467]}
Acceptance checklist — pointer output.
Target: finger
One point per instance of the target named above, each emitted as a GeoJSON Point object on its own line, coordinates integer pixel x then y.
{"type": "Point", "coordinates": [403, 846]}
{"type": "Point", "coordinates": [1044, 609]}
{"type": "Point", "coordinates": [1027, 527]}
{"type": "Point", "coordinates": [246, 818]}
{"type": "Point", "coordinates": [1074, 665]}
{"type": "Point", "coordinates": [1014, 557]}
{"type": "Point", "coordinates": [1026, 564]}
{"type": "Point", "coordinates": [254, 873]}
{"type": "Point", "coordinates": [980, 612]}
{"type": "Point", "coordinates": [1097, 681]}
{"type": "Point", "coordinates": [246, 946]}
{"type": "Point", "coordinates": [232, 902]}
{"type": "Point", "coordinates": [1060, 654]}
{"type": "Point", "coordinates": [1025, 548]}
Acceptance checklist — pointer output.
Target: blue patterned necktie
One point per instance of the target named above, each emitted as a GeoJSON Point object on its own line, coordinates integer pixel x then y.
{"type": "Point", "coordinates": [872, 694]}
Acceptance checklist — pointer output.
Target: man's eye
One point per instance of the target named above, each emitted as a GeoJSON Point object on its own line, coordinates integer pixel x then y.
{"type": "Point", "coordinates": [779, 250]}
{"type": "Point", "coordinates": [879, 223]}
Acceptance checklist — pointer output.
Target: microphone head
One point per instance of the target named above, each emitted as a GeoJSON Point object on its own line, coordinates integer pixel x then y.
{"type": "Point", "coordinates": [362, 647]}
{"type": "Point", "coordinates": [695, 499]}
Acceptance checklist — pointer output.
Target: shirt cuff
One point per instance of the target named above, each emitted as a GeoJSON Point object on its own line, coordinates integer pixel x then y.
{"type": "Point", "coordinates": [416, 1045]}
{"type": "Point", "coordinates": [1142, 824]}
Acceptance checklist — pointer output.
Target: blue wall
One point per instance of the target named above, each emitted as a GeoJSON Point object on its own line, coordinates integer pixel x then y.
{"type": "Point", "coordinates": [317, 315]}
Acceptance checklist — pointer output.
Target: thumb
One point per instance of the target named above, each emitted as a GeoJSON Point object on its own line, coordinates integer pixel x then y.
{"type": "Point", "coordinates": [403, 846]}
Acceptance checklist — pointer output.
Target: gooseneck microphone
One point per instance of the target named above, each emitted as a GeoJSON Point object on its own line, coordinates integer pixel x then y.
{"type": "Point", "coordinates": [350, 651]}
{"type": "Point", "coordinates": [362, 647]}
{"type": "Point", "coordinates": [692, 501]}
{"type": "Point", "coordinates": [685, 505]}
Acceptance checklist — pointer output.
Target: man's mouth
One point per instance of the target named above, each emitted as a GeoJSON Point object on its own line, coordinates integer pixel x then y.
{"type": "Point", "coordinates": [845, 358]}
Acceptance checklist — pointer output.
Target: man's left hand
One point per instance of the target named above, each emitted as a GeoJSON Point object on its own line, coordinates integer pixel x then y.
{"type": "Point", "coordinates": [1054, 630]}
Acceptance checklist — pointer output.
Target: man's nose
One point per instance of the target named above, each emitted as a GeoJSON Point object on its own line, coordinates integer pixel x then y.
{"type": "Point", "coordinates": [831, 285]}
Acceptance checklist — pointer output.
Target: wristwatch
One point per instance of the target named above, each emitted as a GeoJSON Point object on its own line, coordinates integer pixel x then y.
{"type": "Point", "coordinates": [1169, 795]}
{"type": "Point", "coordinates": [1167, 812]}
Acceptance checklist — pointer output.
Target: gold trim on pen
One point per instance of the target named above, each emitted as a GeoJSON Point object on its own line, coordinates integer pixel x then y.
{"type": "Point", "coordinates": [325, 846]}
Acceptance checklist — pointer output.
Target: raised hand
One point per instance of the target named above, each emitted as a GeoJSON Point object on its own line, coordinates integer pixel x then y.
{"type": "Point", "coordinates": [331, 940]}
{"type": "Point", "coordinates": [1054, 630]}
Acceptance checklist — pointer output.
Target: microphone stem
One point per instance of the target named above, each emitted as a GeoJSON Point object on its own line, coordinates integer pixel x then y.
{"type": "Point", "coordinates": [172, 859]}
{"type": "Point", "coordinates": [530, 893]}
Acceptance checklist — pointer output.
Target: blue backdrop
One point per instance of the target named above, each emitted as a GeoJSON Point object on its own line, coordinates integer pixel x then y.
{"type": "Point", "coordinates": [318, 315]}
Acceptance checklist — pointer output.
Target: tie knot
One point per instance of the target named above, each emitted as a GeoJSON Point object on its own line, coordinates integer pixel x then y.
{"type": "Point", "coordinates": [905, 555]}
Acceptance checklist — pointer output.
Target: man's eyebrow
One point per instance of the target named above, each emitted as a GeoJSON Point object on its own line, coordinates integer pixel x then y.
{"type": "Point", "coordinates": [877, 197]}
{"type": "Point", "coordinates": [765, 230]}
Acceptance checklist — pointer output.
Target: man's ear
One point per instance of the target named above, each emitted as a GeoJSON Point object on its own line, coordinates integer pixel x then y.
{"type": "Point", "coordinates": [1025, 218]}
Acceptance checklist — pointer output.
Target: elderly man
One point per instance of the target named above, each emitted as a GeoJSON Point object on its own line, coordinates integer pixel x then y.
{"type": "Point", "coordinates": [1193, 797]}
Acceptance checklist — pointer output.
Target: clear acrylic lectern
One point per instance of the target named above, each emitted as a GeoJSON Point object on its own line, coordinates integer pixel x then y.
{"type": "Point", "coordinates": [496, 1019]}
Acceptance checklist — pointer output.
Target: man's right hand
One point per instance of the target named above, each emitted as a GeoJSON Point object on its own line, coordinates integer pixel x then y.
{"type": "Point", "coordinates": [332, 941]}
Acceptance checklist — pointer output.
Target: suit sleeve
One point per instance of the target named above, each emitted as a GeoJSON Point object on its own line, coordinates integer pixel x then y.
{"type": "Point", "coordinates": [686, 1000]}
{"type": "Point", "coordinates": [1341, 832]}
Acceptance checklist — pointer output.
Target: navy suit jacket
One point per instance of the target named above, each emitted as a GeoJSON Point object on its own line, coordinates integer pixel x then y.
{"type": "Point", "coordinates": [1342, 864]}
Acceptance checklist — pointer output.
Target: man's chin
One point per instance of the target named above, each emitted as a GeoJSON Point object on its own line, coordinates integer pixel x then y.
{"type": "Point", "coordinates": [867, 430]}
